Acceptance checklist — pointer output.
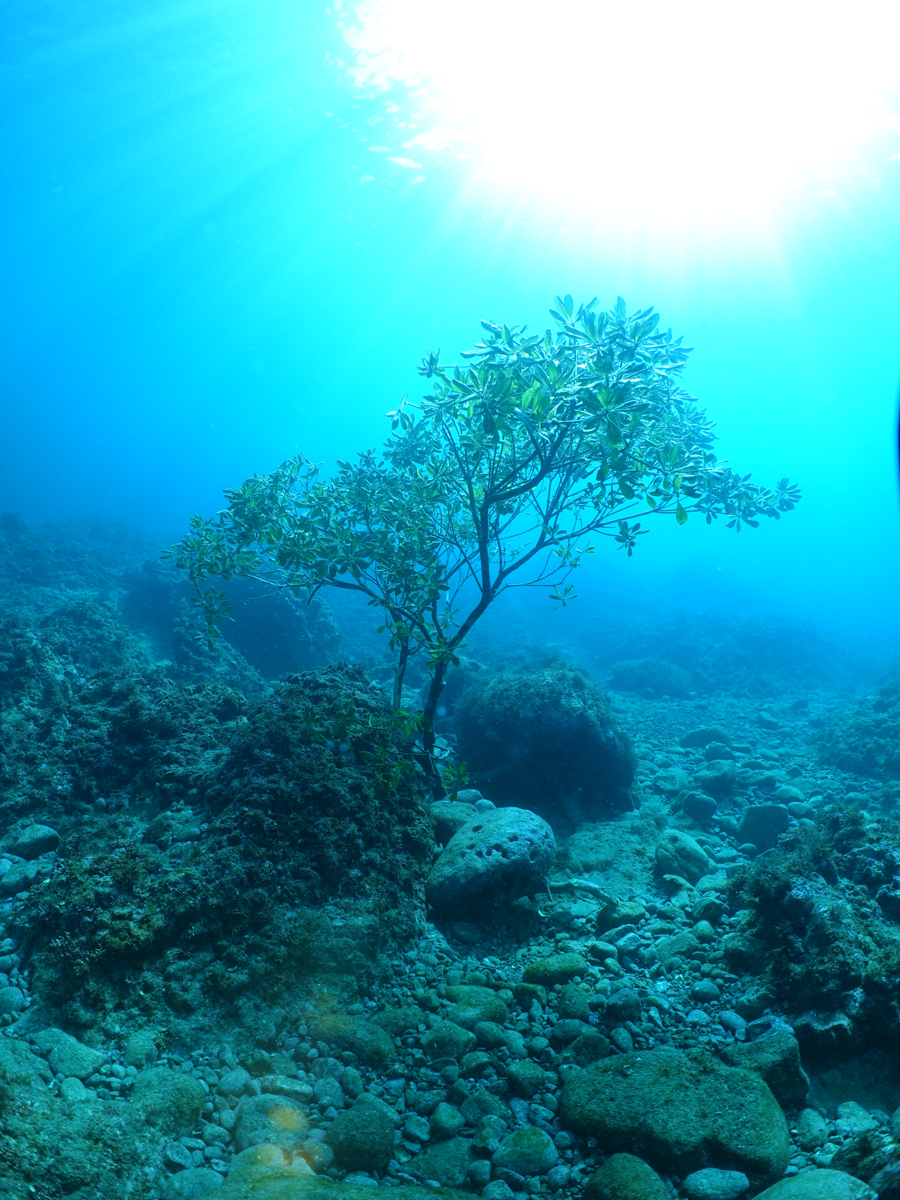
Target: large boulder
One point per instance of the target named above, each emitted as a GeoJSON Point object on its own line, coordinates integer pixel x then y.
{"type": "Point", "coordinates": [503, 854]}
{"type": "Point", "coordinates": [819, 1185]}
{"type": "Point", "coordinates": [544, 736]}
{"type": "Point", "coordinates": [680, 1112]}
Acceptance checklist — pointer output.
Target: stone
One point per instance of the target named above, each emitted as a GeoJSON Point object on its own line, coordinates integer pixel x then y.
{"type": "Point", "coordinates": [557, 968]}
{"type": "Point", "coordinates": [489, 1133]}
{"type": "Point", "coordinates": [397, 1021]}
{"type": "Point", "coordinates": [66, 1055]}
{"type": "Point", "coordinates": [671, 780]}
{"type": "Point", "coordinates": [716, 751]}
{"type": "Point", "coordinates": [767, 721]}
{"type": "Point", "coordinates": [625, 1177]}
{"type": "Point", "coordinates": [191, 1184]}
{"type": "Point", "coordinates": [369, 1042]}
{"type": "Point", "coordinates": [23, 876]}
{"type": "Point", "coordinates": [140, 1048]}
{"type": "Point", "coordinates": [677, 946]}
{"type": "Point", "coordinates": [776, 1058]}
{"type": "Point", "coordinates": [678, 854]}
{"type": "Point", "coordinates": [446, 1039]}
{"type": "Point", "coordinates": [170, 1100]}
{"type": "Point", "coordinates": [501, 855]}
{"type": "Point", "coordinates": [812, 1129]}
{"type": "Point", "coordinates": [449, 817]}
{"type": "Point", "coordinates": [73, 1091]}
{"type": "Point", "coordinates": [528, 1152]}
{"type": "Point", "coordinates": [717, 777]}
{"type": "Point", "coordinates": [526, 1078]}
{"type": "Point", "coordinates": [32, 841]}
{"type": "Point", "coordinates": [590, 1047]}
{"type": "Point", "coordinates": [819, 1185]}
{"type": "Point", "coordinates": [681, 1112]}
{"type": "Point", "coordinates": [713, 1184]}
{"type": "Point", "coordinates": [21, 1071]}
{"type": "Point", "coordinates": [447, 1163]}
{"type": "Point", "coordinates": [12, 1001]}
{"type": "Point", "coordinates": [270, 1120]}
{"type": "Point", "coordinates": [700, 807]}
{"type": "Point", "coordinates": [446, 1122]}
{"type": "Point", "coordinates": [763, 824]}
{"type": "Point", "coordinates": [853, 1119]}
{"type": "Point", "coordinates": [234, 1082]}
{"type": "Point", "coordinates": [362, 1137]}
{"type": "Point", "coordinates": [706, 735]}
{"type": "Point", "coordinates": [624, 1005]}
{"type": "Point", "coordinates": [471, 1004]}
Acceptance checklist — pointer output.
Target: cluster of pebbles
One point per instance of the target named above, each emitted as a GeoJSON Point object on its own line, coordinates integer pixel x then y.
{"type": "Point", "coordinates": [453, 1073]}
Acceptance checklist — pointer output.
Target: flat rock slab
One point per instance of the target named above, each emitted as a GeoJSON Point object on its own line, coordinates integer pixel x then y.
{"type": "Point", "coordinates": [500, 855]}
{"type": "Point", "coordinates": [680, 1112]}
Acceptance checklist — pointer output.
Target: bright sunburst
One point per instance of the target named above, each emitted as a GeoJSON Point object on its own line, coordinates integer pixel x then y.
{"type": "Point", "coordinates": [702, 111]}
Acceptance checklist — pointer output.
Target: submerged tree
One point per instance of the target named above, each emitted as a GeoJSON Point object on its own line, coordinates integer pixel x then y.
{"type": "Point", "coordinates": [499, 479]}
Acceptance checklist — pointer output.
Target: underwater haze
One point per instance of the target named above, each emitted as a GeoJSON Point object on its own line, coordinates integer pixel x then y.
{"type": "Point", "coordinates": [537, 835]}
{"type": "Point", "coordinates": [231, 231]}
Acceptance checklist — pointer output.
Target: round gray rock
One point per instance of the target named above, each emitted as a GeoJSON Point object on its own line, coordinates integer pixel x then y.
{"type": "Point", "coordinates": [501, 855]}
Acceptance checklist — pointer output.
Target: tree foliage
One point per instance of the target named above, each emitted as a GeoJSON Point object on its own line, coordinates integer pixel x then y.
{"type": "Point", "coordinates": [502, 477]}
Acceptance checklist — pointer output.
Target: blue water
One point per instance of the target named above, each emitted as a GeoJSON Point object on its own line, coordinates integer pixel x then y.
{"type": "Point", "coordinates": [197, 284]}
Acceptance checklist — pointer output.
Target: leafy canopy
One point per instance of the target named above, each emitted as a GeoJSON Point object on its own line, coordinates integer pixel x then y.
{"type": "Point", "coordinates": [501, 477]}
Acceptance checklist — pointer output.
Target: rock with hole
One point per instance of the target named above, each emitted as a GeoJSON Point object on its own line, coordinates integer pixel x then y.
{"type": "Point", "coordinates": [501, 855]}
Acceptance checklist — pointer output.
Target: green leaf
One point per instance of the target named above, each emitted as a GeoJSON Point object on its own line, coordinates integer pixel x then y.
{"type": "Point", "coordinates": [680, 514]}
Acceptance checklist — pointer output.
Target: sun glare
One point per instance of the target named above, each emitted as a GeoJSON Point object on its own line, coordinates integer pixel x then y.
{"type": "Point", "coordinates": [699, 111]}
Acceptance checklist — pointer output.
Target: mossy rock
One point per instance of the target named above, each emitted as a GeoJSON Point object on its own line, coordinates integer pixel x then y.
{"type": "Point", "coordinates": [362, 1137]}
{"type": "Point", "coordinates": [680, 1112]}
{"type": "Point", "coordinates": [544, 737]}
{"type": "Point", "coordinates": [625, 1177]}
{"type": "Point", "coordinates": [170, 1100]}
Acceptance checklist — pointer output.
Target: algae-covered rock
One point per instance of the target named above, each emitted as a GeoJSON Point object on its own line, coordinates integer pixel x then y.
{"type": "Point", "coordinates": [544, 737]}
{"type": "Point", "coordinates": [471, 1004]}
{"type": "Point", "coordinates": [362, 1137]}
{"type": "Point", "coordinates": [21, 1071]}
{"type": "Point", "coordinates": [170, 1100]}
{"type": "Point", "coordinates": [680, 1112]}
{"type": "Point", "coordinates": [262, 1182]}
{"type": "Point", "coordinates": [776, 1058]}
{"type": "Point", "coordinates": [66, 1055]}
{"type": "Point", "coordinates": [819, 1185]}
{"type": "Point", "coordinates": [557, 968]}
{"type": "Point", "coordinates": [626, 1177]}
{"type": "Point", "coordinates": [366, 1039]}
{"type": "Point", "coordinates": [446, 1039]}
{"type": "Point", "coordinates": [446, 1164]}
{"type": "Point", "coordinates": [269, 1119]}
{"type": "Point", "coordinates": [528, 1151]}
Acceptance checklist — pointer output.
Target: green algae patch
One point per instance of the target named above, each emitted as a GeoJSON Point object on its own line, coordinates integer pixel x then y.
{"type": "Point", "coordinates": [680, 1112]}
{"type": "Point", "coordinates": [259, 1182]}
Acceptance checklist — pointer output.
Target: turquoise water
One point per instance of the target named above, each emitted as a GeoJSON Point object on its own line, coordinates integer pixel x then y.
{"type": "Point", "coordinates": [209, 264]}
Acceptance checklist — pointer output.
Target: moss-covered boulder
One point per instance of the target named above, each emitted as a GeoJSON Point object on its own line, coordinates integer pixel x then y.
{"type": "Point", "coordinates": [544, 737]}
{"type": "Point", "coordinates": [362, 1137]}
{"type": "Point", "coordinates": [680, 1112]}
{"type": "Point", "coordinates": [819, 1185]}
{"type": "Point", "coordinates": [626, 1177]}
